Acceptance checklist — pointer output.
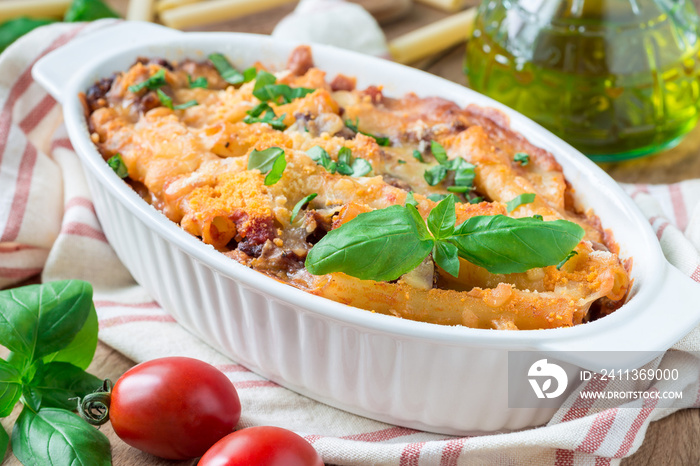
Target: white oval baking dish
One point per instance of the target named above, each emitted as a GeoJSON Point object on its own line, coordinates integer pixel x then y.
{"type": "Point", "coordinates": [443, 379]}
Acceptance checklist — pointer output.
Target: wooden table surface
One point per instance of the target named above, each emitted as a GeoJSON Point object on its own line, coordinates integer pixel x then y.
{"type": "Point", "coordinates": [674, 440]}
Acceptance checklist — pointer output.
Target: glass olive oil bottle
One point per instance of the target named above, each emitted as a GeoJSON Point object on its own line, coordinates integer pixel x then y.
{"type": "Point", "coordinates": [615, 78]}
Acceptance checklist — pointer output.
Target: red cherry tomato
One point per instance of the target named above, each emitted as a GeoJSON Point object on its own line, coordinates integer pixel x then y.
{"type": "Point", "coordinates": [262, 446]}
{"type": "Point", "coordinates": [175, 408]}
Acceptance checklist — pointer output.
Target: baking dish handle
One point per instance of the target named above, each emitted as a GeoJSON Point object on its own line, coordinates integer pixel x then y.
{"type": "Point", "coordinates": [55, 70]}
{"type": "Point", "coordinates": [670, 314]}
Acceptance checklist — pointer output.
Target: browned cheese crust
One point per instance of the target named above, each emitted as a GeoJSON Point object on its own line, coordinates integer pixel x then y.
{"type": "Point", "coordinates": [191, 165]}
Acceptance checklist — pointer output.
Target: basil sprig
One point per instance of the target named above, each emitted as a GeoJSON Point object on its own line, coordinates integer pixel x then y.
{"type": "Point", "coordinates": [270, 161]}
{"type": "Point", "coordinates": [51, 332]}
{"type": "Point", "coordinates": [117, 164]}
{"type": "Point", "coordinates": [384, 244]}
{"type": "Point", "coordinates": [269, 117]}
{"type": "Point", "coordinates": [299, 205]}
{"type": "Point", "coordinates": [230, 74]}
{"type": "Point", "coordinates": [354, 126]}
{"type": "Point", "coordinates": [88, 10]}
{"type": "Point", "coordinates": [522, 158]}
{"type": "Point", "coordinates": [201, 82]}
{"type": "Point", "coordinates": [267, 90]}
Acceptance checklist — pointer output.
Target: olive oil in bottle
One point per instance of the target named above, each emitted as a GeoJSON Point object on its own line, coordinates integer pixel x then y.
{"type": "Point", "coordinates": [615, 78]}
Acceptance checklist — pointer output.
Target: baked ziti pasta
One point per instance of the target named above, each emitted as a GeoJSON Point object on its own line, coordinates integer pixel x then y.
{"type": "Point", "coordinates": [406, 206]}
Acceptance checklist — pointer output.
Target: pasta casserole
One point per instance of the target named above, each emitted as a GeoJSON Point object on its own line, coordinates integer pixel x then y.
{"type": "Point", "coordinates": [407, 206]}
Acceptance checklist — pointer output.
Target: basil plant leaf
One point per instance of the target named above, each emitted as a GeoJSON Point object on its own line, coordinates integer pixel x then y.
{"type": "Point", "coordinates": [442, 219]}
{"type": "Point", "coordinates": [380, 245]}
{"type": "Point", "coordinates": [276, 171]}
{"type": "Point", "coordinates": [446, 257]}
{"type": "Point", "coordinates": [299, 205]}
{"type": "Point", "coordinates": [154, 82]}
{"type": "Point", "coordinates": [230, 74]}
{"type": "Point", "coordinates": [503, 244]}
{"type": "Point", "coordinates": [81, 350]}
{"type": "Point", "coordinates": [10, 388]}
{"type": "Point", "coordinates": [117, 164]}
{"type": "Point", "coordinates": [4, 442]}
{"type": "Point", "coordinates": [88, 10]}
{"type": "Point", "coordinates": [438, 152]}
{"type": "Point", "coordinates": [38, 320]}
{"type": "Point", "coordinates": [13, 29]}
{"type": "Point", "coordinates": [31, 398]}
{"type": "Point", "coordinates": [60, 381]}
{"type": "Point", "coordinates": [263, 160]}
{"type": "Point", "coordinates": [200, 82]}
{"type": "Point", "coordinates": [360, 167]}
{"type": "Point", "coordinates": [56, 437]}
{"type": "Point", "coordinates": [517, 201]}
{"type": "Point", "coordinates": [435, 174]}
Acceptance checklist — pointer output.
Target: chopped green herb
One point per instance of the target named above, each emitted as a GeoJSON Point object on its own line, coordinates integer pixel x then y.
{"type": "Point", "coordinates": [344, 156]}
{"type": "Point", "coordinates": [263, 160]}
{"type": "Point", "coordinates": [435, 175]}
{"type": "Point", "coordinates": [517, 201]}
{"type": "Point", "coordinates": [354, 126]}
{"type": "Point", "coordinates": [566, 259]}
{"type": "Point", "coordinates": [522, 158]}
{"type": "Point", "coordinates": [230, 74]}
{"type": "Point", "coordinates": [418, 156]}
{"type": "Point", "coordinates": [269, 117]}
{"type": "Point", "coordinates": [319, 155]}
{"type": "Point", "coordinates": [168, 102]}
{"type": "Point", "coordinates": [299, 205]}
{"type": "Point", "coordinates": [154, 82]}
{"type": "Point", "coordinates": [538, 217]}
{"type": "Point", "coordinates": [438, 152]}
{"type": "Point", "coordinates": [464, 173]}
{"type": "Point", "coordinates": [401, 162]}
{"type": "Point", "coordinates": [435, 197]}
{"type": "Point", "coordinates": [360, 167]}
{"type": "Point", "coordinates": [266, 90]}
{"type": "Point", "coordinates": [410, 199]}
{"type": "Point", "coordinates": [458, 189]}
{"type": "Point", "coordinates": [277, 170]}
{"type": "Point", "coordinates": [249, 74]}
{"type": "Point", "coordinates": [116, 163]}
{"type": "Point", "coordinates": [476, 200]}
{"type": "Point", "coordinates": [199, 82]}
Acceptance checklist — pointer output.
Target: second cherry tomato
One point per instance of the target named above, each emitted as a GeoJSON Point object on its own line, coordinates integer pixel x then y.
{"type": "Point", "coordinates": [262, 446]}
{"type": "Point", "coordinates": [175, 408]}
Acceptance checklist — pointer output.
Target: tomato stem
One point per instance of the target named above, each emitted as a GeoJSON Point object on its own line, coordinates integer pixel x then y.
{"type": "Point", "coordinates": [94, 408]}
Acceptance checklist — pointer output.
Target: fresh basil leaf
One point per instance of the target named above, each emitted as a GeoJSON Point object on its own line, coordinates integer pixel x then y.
{"type": "Point", "coordinates": [418, 221]}
{"type": "Point", "coordinates": [31, 398]}
{"type": "Point", "coordinates": [276, 171]}
{"type": "Point", "coordinates": [60, 381]}
{"type": "Point", "coordinates": [154, 82]}
{"type": "Point", "coordinates": [264, 160]}
{"type": "Point", "coordinates": [418, 156]}
{"type": "Point", "coordinates": [538, 217]}
{"type": "Point", "coordinates": [199, 82]}
{"type": "Point", "coordinates": [56, 437]}
{"type": "Point", "coordinates": [249, 74]}
{"type": "Point", "coordinates": [502, 244]}
{"type": "Point", "coordinates": [464, 174]}
{"type": "Point", "coordinates": [438, 152]}
{"type": "Point", "coordinates": [458, 189]}
{"type": "Point", "coordinates": [442, 219]}
{"type": "Point", "coordinates": [13, 29]}
{"type": "Point", "coordinates": [297, 93]}
{"type": "Point", "coordinates": [165, 99]}
{"type": "Point", "coordinates": [188, 104]}
{"type": "Point", "coordinates": [360, 167]}
{"type": "Point", "coordinates": [566, 259]}
{"type": "Point", "coordinates": [299, 205]}
{"type": "Point", "coordinates": [476, 200]}
{"type": "Point", "coordinates": [410, 199]}
{"type": "Point", "coordinates": [446, 257]}
{"type": "Point", "coordinates": [117, 164]}
{"type": "Point", "coordinates": [435, 197]}
{"type": "Point", "coordinates": [401, 162]}
{"type": "Point", "coordinates": [229, 74]}
{"type": "Point", "coordinates": [345, 156]}
{"type": "Point", "coordinates": [343, 168]}
{"type": "Point", "coordinates": [262, 80]}
{"type": "Point", "coordinates": [88, 10]}
{"type": "Point", "coordinates": [4, 442]}
{"type": "Point", "coordinates": [319, 155]}
{"type": "Point", "coordinates": [259, 109]}
{"type": "Point", "coordinates": [434, 175]}
{"type": "Point", "coordinates": [81, 350]}
{"type": "Point", "coordinates": [354, 126]}
{"type": "Point", "coordinates": [522, 158]}
{"type": "Point", "coordinates": [380, 245]}
{"type": "Point", "coordinates": [273, 92]}
{"type": "Point", "coordinates": [517, 201]}
{"type": "Point", "coordinates": [269, 118]}
{"type": "Point", "coordinates": [10, 388]}
{"type": "Point", "coordinates": [38, 320]}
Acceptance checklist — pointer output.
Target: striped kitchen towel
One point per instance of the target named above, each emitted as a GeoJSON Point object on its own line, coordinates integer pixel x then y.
{"type": "Point", "coordinates": [48, 223]}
